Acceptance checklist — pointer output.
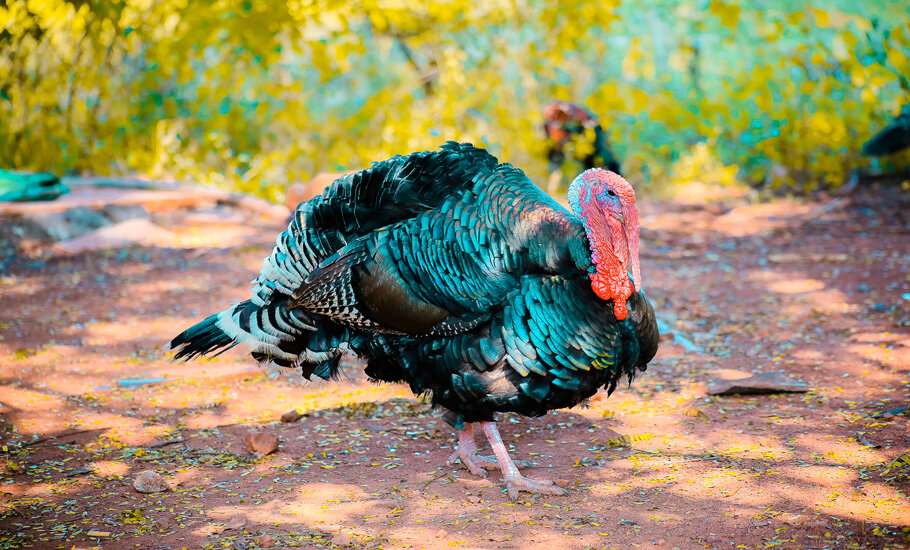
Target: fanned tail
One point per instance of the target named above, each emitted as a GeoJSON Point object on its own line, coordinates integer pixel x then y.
{"type": "Point", "coordinates": [273, 334]}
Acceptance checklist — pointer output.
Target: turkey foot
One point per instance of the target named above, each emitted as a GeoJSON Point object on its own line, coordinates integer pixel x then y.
{"type": "Point", "coordinates": [516, 482]}
{"type": "Point", "coordinates": [466, 451]}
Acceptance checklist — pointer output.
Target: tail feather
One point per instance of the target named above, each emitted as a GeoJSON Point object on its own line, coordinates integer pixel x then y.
{"type": "Point", "coordinates": [272, 333]}
{"type": "Point", "coordinates": [201, 339]}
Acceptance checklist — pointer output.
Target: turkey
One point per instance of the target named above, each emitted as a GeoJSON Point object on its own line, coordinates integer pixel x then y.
{"type": "Point", "coordinates": [572, 127]}
{"type": "Point", "coordinates": [458, 276]}
{"type": "Point", "coordinates": [892, 138]}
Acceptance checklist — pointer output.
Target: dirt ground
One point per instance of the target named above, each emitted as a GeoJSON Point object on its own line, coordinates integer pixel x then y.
{"type": "Point", "coordinates": [817, 291]}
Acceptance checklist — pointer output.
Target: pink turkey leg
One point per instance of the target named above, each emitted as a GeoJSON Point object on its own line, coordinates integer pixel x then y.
{"type": "Point", "coordinates": [466, 451]}
{"type": "Point", "coordinates": [514, 480]}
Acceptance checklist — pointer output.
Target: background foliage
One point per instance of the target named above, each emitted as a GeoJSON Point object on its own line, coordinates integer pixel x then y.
{"type": "Point", "coordinates": [254, 95]}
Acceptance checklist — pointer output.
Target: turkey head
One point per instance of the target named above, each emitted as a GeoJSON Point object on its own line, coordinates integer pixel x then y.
{"type": "Point", "coordinates": [605, 202]}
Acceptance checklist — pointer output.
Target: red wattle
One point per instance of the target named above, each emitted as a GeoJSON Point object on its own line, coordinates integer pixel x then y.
{"type": "Point", "coordinates": [618, 291]}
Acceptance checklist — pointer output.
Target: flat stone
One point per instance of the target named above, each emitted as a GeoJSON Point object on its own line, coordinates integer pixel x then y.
{"type": "Point", "coordinates": [135, 232]}
{"type": "Point", "coordinates": [341, 539]}
{"type": "Point", "coordinates": [756, 384]}
{"type": "Point", "coordinates": [122, 212]}
{"type": "Point", "coordinates": [71, 223]}
{"type": "Point", "coordinates": [150, 481]}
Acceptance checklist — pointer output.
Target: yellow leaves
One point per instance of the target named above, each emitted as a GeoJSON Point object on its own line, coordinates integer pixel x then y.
{"type": "Point", "coordinates": [134, 517]}
{"type": "Point", "coordinates": [640, 100]}
{"type": "Point", "coordinates": [320, 58]}
{"type": "Point", "coordinates": [728, 13]}
{"type": "Point", "coordinates": [695, 412]}
{"type": "Point", "coordinates": [902, 461]}
{"type": "Point", "coordinates": [830, 17]}
{"type": "Point", "coordinates": [630, 62]}
{"type": "Point", "coordinates": [627, 440]}
{"type": "Point", "coordinates": [822, 17]}
{"type": "Point", "coordinates": [701, 165]}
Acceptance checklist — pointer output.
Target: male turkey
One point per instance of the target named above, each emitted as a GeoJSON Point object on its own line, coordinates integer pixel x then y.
{"type": "Point", "coordinates": [572, 130]}
{"type": "Point", "coordinates": [456, 275]}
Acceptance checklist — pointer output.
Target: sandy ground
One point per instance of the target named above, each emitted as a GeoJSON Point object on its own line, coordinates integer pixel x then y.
{"type": "Point", "coordinates": [818, 293]}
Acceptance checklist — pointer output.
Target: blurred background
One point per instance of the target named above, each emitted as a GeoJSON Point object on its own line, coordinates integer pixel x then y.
{"type": "Point", "coordinates": [253, 95]}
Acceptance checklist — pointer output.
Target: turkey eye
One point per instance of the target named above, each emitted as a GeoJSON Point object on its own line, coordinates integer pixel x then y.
{"type": "Point", "coordinates": [611, 192]}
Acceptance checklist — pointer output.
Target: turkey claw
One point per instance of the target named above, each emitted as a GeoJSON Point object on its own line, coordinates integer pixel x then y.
{"type": "Point", "coordinates": [474, 463]}
{"type": "Point", "coordinates": [534, 486]}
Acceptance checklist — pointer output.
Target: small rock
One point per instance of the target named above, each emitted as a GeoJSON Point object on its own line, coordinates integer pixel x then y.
{"type": "Point", "coordinates": [240, 544]}
{"type": "Point", "coordinates": [262, 443]}
{"type": "Point", "coordinates": [150, 481]}
{"type": "Point", "coordinates": [330, 528]}
{"type": "Point", "coordinates": [236, 522]}
{"type": "Point", "coordinates": [123, 212]}
{"type": "Point", "coordinates": [291, 416]}
{"type": "Point", "coordinates": [863, 288]}
{"type": "Point", "coordinates": [441, 534]}
{"type": "Point", "coordinates": [99, 534]}
{"type": "Point", "coordinates": [266, 541]}
{"type": "Point", "coordinates": [755, 384]}
{"type": "Point", "coordinates": [341, 539]}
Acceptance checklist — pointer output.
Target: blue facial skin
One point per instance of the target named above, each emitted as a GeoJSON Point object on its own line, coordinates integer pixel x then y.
{"type": "Point", "coordinates": [584, 184]}
{"type": "Point", "coordinates": [579, 193]}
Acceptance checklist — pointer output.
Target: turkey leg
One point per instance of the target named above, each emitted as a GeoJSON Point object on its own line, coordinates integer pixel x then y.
{"type": "Point", "coordinates": [514, 480]}
{"type": "Point", "coordinates": [466, 451]}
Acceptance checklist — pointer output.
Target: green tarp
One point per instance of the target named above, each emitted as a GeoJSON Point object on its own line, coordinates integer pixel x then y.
{"type": "Point", "coordinates": [26, 186]}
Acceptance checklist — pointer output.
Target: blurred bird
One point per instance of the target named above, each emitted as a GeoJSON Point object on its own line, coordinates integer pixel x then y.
{"type": "Point", "coordinates": [892, 138]}
{"type": "Point", "coordinates": [571, 126]}
{"type": "Point", "coordinates": [458, 276]}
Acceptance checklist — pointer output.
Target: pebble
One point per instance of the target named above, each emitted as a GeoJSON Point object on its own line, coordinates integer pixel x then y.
{"type": "Point", "coordinates": [150, 481]}
{"type": "Point", "coordinates": [441, 534]}
{"type": "Point", "coordinates": [262, 443]}
{"type": "Point", "coordinates": [266, 541]}
{"type": "Point", "coordinates": [291, 416]}
{"type": "Point", "coordinates": [341, 539]}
